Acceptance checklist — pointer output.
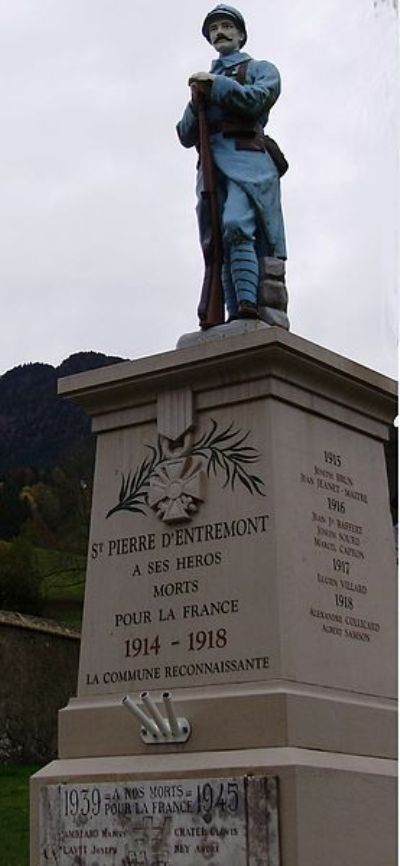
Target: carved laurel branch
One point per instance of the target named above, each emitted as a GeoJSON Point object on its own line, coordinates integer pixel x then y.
{"type": "Point", "coordinates": [224, 451]}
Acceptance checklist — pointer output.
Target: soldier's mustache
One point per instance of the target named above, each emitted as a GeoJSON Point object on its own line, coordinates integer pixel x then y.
{"type": "Point", "coordinates": [218, 39]}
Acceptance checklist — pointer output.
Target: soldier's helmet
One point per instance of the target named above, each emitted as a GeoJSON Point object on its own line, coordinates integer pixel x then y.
{"type": "Point", "coordinates": [222, 11]}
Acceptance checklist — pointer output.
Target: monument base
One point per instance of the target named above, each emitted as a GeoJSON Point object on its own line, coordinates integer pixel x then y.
{"type": "Point", "coordinates": [238, 717]}
{"type": "Point", "coordinates": [236, 328]}
{"type": "Point", "coordinates": [332, 808]}
{"type": "Point", "coordinates": [241, 557]}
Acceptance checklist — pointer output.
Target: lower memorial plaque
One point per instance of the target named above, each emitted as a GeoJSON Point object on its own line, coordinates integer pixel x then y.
{"type": "Point", "coordinates": [161, 823]}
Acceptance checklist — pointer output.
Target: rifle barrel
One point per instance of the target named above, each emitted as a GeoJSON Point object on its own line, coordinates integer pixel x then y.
{"type": "Point", "coordinates": [211, 307]}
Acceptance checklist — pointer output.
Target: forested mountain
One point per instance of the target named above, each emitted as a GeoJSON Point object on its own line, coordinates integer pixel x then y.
{"type": "Point", "coordinates": [46, 455]}
{"type": "Point", "coordinates": [36, 425]}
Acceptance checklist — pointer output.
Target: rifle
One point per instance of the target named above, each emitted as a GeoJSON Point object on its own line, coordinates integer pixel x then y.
{"type": "Point", "coordinates": [211, 306]}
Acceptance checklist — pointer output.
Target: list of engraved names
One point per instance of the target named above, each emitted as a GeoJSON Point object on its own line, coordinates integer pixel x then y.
{"type": "Point", "coordinates": [338, 538]}
{"type": "Point", "coordinates": [135, 823]}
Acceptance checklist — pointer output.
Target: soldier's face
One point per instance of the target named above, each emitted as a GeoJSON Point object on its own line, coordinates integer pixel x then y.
{"type": "Point", "coordinates": [224, 35]}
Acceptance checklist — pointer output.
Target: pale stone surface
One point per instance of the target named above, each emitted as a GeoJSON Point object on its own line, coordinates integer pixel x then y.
{"type": "Point", "coordinates": [232, 717]}
{"type": "Point", "coordinates": [333, 809]}
{"type": "Point", "coordinates": [290, 536]}
{"type": "Point", "coordinates": [271, 316]}
{"type": "Point", "coordinates": [272, 585]}
{"type": "Point", "coordinates": [175, 413]}
{"type": "Point", "coordinates": [163, 821]}
{"type": "Point", "coordinates": [268, 603]}
{"type": "Point", "coordinates": [127, 383]}
{"type": "Point", "coordinates": [274, 294]}
{"type": "Point", "coordinates": [221, 332]}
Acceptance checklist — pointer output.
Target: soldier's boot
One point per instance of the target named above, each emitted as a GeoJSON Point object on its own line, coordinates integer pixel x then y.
{"type": "Point", "coordinates": [245, 274]}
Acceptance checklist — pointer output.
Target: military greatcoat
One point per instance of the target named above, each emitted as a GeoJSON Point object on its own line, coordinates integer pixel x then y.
{"type": "Point", "coordinates": [235, 157]}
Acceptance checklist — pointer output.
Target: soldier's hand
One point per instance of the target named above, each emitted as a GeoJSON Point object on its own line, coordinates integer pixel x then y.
{"type": "Point", "coordinates": [200, 85]}
{"type": "Point", "coordinates": [201, 77]}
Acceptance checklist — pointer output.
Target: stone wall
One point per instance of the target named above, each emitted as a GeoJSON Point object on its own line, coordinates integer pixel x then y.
{"type": "Point", "coordinates": [38, 675]}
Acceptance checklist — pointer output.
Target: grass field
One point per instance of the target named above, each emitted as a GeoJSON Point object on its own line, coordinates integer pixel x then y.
{"type": "Point", "coordinates": [63, 585]}
{"type": "Point", "coordinates": [14, 814]}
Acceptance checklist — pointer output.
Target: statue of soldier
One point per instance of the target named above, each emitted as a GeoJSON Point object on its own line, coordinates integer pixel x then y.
{"type": "Point", "coordinates": [238, 94]}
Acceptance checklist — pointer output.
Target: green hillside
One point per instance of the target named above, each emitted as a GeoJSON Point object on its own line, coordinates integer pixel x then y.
{"type": "Point", "coordinates": [46, 473]}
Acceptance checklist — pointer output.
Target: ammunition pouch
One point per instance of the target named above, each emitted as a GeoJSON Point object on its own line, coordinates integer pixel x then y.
{"type": "Point", "coordinates": [276, 154]}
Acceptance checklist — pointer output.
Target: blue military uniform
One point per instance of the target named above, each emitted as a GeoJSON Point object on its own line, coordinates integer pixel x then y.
{"type": "Point", "coordinates": [248, 179]}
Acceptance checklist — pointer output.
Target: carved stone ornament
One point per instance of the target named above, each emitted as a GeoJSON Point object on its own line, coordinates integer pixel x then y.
{"type": "Point", "coordinates": [176, 490]}
{"type": "Point", "coordinates": [172, 478]}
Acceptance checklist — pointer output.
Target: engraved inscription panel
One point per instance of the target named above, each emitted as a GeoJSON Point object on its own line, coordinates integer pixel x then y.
{"type": "Point", "coordinates": [169, 604]}
{"type": "Point", "coordinates": [161, 823]}
{"type": "Point", "coordinates": [337, 555]}
{"type": "Point", "coordinates": [285, 569]}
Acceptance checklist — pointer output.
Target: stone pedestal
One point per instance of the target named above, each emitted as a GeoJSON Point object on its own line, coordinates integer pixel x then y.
{"type": "Point", "coordinates": [241, 556]}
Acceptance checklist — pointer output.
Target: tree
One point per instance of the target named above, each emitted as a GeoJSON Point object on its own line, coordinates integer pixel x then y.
{"type": "Point", "coordinates": [13, 511]}
{"type": "Point", "coordinates": [20, 580]}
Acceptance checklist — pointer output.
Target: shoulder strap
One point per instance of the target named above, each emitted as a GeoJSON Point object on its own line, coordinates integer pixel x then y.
{"type": "Point", "coordinates": [238, 72]}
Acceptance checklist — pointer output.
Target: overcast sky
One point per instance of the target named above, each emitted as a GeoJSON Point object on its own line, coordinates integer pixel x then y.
{"type": "Point", "coordinates": [98, 239]}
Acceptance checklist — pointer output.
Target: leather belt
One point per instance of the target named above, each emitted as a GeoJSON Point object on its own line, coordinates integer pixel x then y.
{"type": "Point", "coordinates": [230, 129]}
